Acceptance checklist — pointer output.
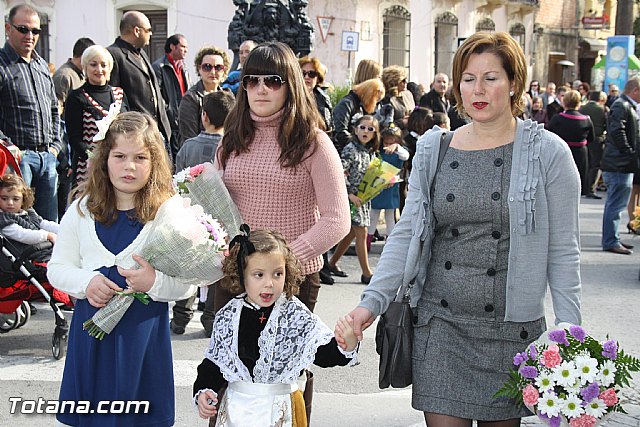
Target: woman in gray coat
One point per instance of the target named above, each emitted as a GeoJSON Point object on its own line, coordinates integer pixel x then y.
{"type": "Point", "coordinates": [499, 227]}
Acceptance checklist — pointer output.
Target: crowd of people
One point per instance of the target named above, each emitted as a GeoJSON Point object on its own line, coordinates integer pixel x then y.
{"type": "Point", "coordinates": [100, 138]}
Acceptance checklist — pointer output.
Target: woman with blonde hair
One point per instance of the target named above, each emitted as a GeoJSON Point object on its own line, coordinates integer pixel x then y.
{"type": "Point", "coordinates": [89, 104]}
{"type": "Point", "coordinates": [360, 100]}
{"type": "Point", "coordinates": [367, 69]}
{"type": "Point", "coordinates": [394, 78]}
{"type": "Point", "coordinates": [212, 65]}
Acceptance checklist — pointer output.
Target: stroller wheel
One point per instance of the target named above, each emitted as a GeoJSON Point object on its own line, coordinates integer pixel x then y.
{"type": "Point", "coordinates": [8, 322]}
{"type": "Point", "coordinates": [58, 346]}
{"type": "Point", "coordinates": [24, 314]}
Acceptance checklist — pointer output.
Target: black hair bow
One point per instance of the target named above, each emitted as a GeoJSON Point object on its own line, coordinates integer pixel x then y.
{"type": "Point", "coordinates": [246, 248]}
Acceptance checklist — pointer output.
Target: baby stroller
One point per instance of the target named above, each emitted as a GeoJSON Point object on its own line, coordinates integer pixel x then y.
{"type": "Point", "coordinates": [23, 278]}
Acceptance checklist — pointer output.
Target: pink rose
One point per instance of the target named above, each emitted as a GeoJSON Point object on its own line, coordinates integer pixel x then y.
{"type": "Point", "coordinates": [583, 420]}
{"type": "Point", "coordinates": [530, 395]}
{"type": "Point", "coordinates": [609, 397]}
{"type": "Point", "coordinates": [196, 170]}
{"type": "Point", "coordinates": [551, 356]}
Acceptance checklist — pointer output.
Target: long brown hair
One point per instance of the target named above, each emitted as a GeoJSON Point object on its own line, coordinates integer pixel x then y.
{"type": "Point", "coordinates": [98, 189]}
{"type": "Point", "coordinates": [300, 122]}
{"type": "Point", "coordinates": [370, 92]}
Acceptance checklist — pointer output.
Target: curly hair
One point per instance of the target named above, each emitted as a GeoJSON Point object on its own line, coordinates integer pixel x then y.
{"type": "Point", "coordinates": [265, 242]}
{"type": "Point", "coordinates": [12, 182]}
{"type": "Point", "coordinates": [98, 189]}
{"type": "Point", "coordinates": [212, 50]}
{"type": "Point", "coordinates": [391, 77]}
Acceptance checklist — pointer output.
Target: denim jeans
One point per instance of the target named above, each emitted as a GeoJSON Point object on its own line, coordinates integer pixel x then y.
{"type": "Point", "coordinates": [618, 192]}
{"type": "Point", "coordinates": [39, 172]}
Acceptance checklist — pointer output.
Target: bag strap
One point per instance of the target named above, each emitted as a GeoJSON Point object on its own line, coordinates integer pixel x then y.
{"type": "Point", "coordinates": [445, 141]}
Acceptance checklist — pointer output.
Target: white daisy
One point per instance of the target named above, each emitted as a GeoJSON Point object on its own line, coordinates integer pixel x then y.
{"type": "Point", "coordinates": [550, 404]}
{"type": "Point", "coordinates": [606, 375]}
{"type": "Point", "coordinates": [596, 408]}
{"type": "Point", "coordinates": [544, 381]}
{"type": "Point", "coordinates": [572, 406]}
{"type": "Point", "coordinates": [566, 374]}
{"type": "Point", "coordinates": [587, 368]}
{"type": "Point", "coordinates": [573, 388]}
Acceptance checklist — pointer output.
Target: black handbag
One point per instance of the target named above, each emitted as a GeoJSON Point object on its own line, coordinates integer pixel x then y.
{"type": "Point", "coordinates": [394, 333]}
{"type": "Point", "coordinates": [394, 343]}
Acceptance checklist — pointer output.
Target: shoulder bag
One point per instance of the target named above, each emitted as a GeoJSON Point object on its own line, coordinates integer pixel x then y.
{"type": "Point", "coordinates": [394, 334]}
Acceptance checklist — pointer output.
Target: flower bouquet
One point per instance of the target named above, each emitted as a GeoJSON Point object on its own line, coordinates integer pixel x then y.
{"type": "Point", "coordinates": [571, 379]}
{"type": "Point", "coordinates": [203, 185]}
{"type": "Point", "coordinates": [183, 242]}
{"type": "Point", "coordinates": [379, 175]}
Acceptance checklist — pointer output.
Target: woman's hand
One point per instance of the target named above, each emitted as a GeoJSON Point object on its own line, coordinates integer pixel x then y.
{"type": "Point", "coordinates": [52, 237]}
{"type": "Point", "coordinates": [100, 290]}
{"type": "Point", "coordinates": [344, 332]}
{"type": "Point", "coordinates": [139, 279]}
{"type": "Point", "coordinates": [355, 200]}
{"type": "Point", "coordinates": [205, 408]}
{"type": "Point", "coordinates": [361, 320]}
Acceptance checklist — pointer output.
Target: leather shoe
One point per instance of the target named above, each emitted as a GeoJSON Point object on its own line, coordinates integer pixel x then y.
{"type": "Point", "coordinates": [619, 250]}
{"type": "Point", "coordinates": [365, 279]}
{"type": "Point", "coordinates": [325, 277]}
{"type": "Point", "coordinates": [176, 329]}
{"type": "Point", "coordinates": [626, 246]}
{"type": "Point", "coordinates": [336, 271]}
{"type": "Point", "coordinates": [593, 196]}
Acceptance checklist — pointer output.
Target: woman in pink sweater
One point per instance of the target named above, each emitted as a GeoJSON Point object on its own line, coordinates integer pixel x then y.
{"type": "Point", "coordinates": [281, 169]}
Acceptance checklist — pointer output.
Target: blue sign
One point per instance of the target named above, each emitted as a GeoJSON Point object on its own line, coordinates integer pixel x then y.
{"type": "Point", "coordinates": [616, 69]}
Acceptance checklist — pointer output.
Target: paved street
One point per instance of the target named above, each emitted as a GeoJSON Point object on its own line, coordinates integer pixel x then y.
{"type": "Point", "coordinates": [345, 396]}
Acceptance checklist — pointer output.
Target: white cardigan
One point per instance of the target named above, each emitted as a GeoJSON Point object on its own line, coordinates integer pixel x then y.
{"type": "Point", "coordinates": [78, 253]}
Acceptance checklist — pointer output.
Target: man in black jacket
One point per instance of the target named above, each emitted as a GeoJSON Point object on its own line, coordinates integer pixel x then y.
{"type": "Point", "coordinates": [174, 82]}
{"type": "Point", "coordinates": [132, 70]}
{"type": "Point", "coordinates": [620, 162]}
{"type": "Point", "coordinates": [436, 98]}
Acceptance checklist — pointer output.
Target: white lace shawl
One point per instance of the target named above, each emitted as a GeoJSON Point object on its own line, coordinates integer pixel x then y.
{"type": "Point", "coordinates": [288, 343]}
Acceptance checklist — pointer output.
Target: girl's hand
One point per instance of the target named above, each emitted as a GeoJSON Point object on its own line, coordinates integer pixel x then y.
{"type": "Point", "coordinates": [139, 279]}
{"type": "Point", "coordinates": [344, 331]}
{"type": "Point", "coordinates": [392, 148]}
{"type": "Point", "coordinates": [355, 200]}
{"type": "Point", "coordinates": [100, 290]}
{"type": "Point", "coordinates": [206, 410]}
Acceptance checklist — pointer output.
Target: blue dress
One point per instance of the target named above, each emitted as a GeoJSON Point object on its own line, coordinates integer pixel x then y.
{"type": "Point", "coordinates": [389, 198]}
{"type": "Point", "coordinates": [132, 363]}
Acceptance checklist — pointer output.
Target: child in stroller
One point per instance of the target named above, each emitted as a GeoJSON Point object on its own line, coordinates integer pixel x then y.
{"type": "Point", "coordinates": [26, 240]}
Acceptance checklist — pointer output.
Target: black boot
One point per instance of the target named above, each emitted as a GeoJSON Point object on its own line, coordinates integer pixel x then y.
{"type": "Point", "coordinates": [325, 274]}
{"type": "Point", "coordinates": [308, 395]}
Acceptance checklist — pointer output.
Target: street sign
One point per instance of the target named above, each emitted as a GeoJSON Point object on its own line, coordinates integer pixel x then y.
{"type": "Point", "coordinates": [350, 41]}
{"type": "Point", "coordinates": [595, 22]}
{"type": "Point", "coordinates": [324, 23]}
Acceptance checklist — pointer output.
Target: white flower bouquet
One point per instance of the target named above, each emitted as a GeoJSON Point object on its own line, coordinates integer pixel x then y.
{"type": "Point", "coordinates": [183, 242]}
{"type": "Point", "coordinates": [204, 186]}
{"type": "Point", "coordinates": [571, 379]}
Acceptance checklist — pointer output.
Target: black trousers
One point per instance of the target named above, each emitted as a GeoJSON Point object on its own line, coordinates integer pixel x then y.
{"type": "Point", "coordinates": [595, 150]}
{"type": "Point", "coordinates": [581, 158]}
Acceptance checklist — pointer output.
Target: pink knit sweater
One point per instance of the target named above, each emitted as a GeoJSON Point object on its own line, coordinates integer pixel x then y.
{"type": "Point", "coordinates": [309, 206]}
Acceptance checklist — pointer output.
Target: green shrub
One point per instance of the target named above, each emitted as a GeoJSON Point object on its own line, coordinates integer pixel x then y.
{"type": "Point", "coordinates": [336, 93]}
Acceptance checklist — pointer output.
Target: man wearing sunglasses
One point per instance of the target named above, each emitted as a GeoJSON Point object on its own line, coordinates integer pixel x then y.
{"type": "Point", "coordinates": [132, 71]}
{"type": "Point", "coordinates": [29, 108]}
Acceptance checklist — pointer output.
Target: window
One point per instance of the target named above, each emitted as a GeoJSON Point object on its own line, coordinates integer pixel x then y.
{"type": "Point", "coordinates": [395, 36]}
{"type": "Point", "coordinates": [42, 47]}
{"type": "Point", "coordinates": [517, 32]}
{"type": "Point", "coordinates": [486, 24]}
{"type": "Point", "coordinates": [446, 42]}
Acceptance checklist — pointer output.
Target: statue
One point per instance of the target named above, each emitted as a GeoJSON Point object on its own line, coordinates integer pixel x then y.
{"type": "Point", "coordinates": [271, 20]}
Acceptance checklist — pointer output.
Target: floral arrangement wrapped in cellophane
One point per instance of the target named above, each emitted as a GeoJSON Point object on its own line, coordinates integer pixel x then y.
{"type": "Point", "coordinates": [379, 175]}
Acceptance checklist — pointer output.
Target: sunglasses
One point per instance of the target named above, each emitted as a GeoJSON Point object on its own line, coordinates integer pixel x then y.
{"type": "Point", "coordinates": [312, 74]}
{"type": "Point", "coordinates": [271, 81]}
{"type": "Point", "coordinates": [369, 128]}
{"type": "Point", "coordinates": [208, 67]}
{"type": "Point", "coordinates": [25, 30]}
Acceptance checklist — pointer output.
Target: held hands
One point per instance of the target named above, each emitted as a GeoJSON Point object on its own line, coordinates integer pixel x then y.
{"type": "Point", "coordinates": [207, 401]}
{"type": "Point", "coordinates": [362, 319]}
{"type": "Point", "coordinates": [100, 290]}
{"type": "Point", "coordinates": [355, 200]}
{"type": "Point", "coordinates": [139, 279]}
{"type": "Point", "coordinates": [345, 337]}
